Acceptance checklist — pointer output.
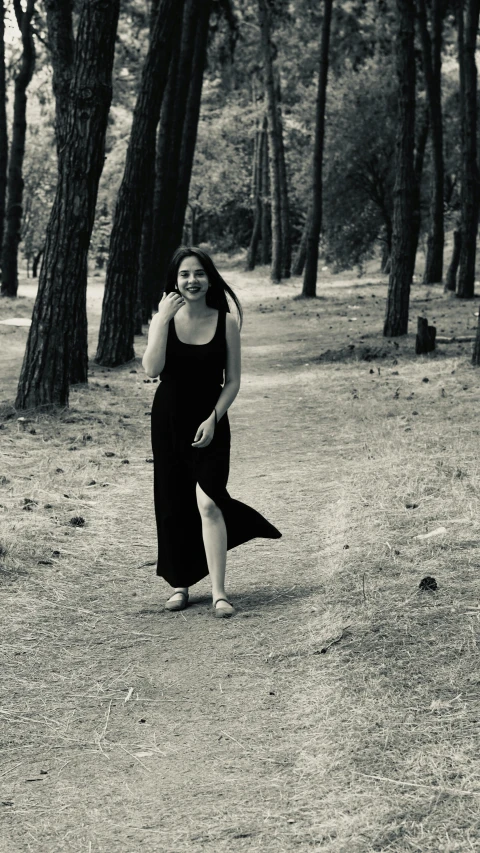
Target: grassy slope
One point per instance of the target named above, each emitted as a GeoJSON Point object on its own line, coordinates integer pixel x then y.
{"type": "Point", "coordinates": [339, 710]}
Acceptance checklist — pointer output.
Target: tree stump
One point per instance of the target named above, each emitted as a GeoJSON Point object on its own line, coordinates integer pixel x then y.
{"type": "Point", "coordinates": [425, 340]}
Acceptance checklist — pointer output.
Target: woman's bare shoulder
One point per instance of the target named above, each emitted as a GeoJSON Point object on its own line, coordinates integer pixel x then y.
{"type": "Point", "coordinates": [231, 323]}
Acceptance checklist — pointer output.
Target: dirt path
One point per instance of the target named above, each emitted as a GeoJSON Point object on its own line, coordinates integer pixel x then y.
{"type": "Point", "coordinates": [127, 728]}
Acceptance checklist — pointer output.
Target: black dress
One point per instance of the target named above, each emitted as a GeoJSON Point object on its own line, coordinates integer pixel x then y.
{"type": "Point", "coordinates": [191, 383]}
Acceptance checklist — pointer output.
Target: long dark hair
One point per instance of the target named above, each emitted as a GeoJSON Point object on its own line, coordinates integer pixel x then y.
{"type": "Point", "coordinates": [217, 292]}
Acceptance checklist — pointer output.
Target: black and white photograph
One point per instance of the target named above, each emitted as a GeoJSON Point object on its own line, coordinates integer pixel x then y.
{"type": "Point", "coordinates": [239, 426]}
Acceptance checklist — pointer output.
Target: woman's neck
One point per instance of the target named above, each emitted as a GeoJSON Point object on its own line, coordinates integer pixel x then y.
{"type": "Point", "coordinates": [195, 311]}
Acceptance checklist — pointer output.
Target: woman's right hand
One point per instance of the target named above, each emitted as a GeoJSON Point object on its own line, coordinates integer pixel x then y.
{"type": "Point", "coordinates": [169, 304]}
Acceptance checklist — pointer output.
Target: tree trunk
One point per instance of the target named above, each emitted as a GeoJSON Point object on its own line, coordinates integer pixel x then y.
{"type": "Point", "coordinates": [15, 182]}
{"type": "Point", "coordinates": [143, 303]}
{"type": "Point", "coordinates": [266, 221]}
{"type": "Point", "coordinates": [315, 222]}
{"type": "Point", "coordinates": [467, 21]}
{"type": "Point", "coordinates": [396, 318]}
{"type": "Point", "coordinates": [177, 138]}
{"type": "Point", "coordinates": [257, 202]}
{"type": "Point", "coordinates": [282, 177]}
{"type": "Point", "coordinates": [117, 326]}
{"type": "Point", "coordinates": [62, 52]}
{"type": "Point", "coordinates": [36, 260]}
{"type": "Point", "coordinates": [143, 309]}
{"type": "Point", "coordinates": [432, 69]}
{"type": "Point", "coordinates": [387, 246]}
{"type": "Point", "coordinates": [476, 347]}
{"type": "Point", "coordinates": [451, 281]}
{"type": "Point", "coordinates": [190, 120]}
{"type": "Point", "coordinates": [61, 42]}
{"type": "Point", "coordinates": [164, 167]}
{"type": "Point", "coordinates": [3, 123]}
{"type": "Point", "coordinates": [44, 380]}
{"type": "Point", "coordinates": [273, 141]}
{"type": "Point", "coordinates": [79, 340]}
{"type": "Point", "coordinates": [299, 259]}
{"type": "Point", "coordinates": [419, 159]}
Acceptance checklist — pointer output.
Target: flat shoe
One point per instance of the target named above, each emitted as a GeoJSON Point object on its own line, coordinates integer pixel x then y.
{"type": "Point", "coordinates": [179, 604]}
{"type": "Point", "coordinates": [221, 612]}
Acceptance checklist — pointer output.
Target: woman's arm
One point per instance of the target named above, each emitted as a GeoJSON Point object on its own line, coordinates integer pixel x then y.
{"type": "Point", "coordinates": [206, 430]}
{"type": "Point", "coordinates": [154, 357]}
{"type": "Point", "coordinates": [233, 368]}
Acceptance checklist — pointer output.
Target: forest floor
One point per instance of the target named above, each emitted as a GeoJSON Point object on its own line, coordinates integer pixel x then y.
{"type": "Point", "coordinates": [339, 710]}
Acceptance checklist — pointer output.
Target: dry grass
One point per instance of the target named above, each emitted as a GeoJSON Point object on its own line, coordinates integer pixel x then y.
{"type": "Point", "coordinates": [339, 710]}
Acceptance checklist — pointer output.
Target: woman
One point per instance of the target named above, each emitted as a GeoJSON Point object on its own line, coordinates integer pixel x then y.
{"type": "Point", "coordinates": [194, 345]}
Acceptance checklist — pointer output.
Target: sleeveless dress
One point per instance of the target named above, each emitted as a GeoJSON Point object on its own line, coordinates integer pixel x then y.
{"type": "Point", "coordinates": [191, 383]}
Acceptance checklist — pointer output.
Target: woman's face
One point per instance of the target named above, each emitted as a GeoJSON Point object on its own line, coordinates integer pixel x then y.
{"type": "Point", "coordinates": [192, 281]}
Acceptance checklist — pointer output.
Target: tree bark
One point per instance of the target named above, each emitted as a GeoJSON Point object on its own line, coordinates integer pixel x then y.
{"type": "Point", "coordinates": [257, 202]}
{"type": "Point", "coordinates": [62, 51]}
{"type": "Point", "coordinates": [419, 159]}
{"type": "Point", "coordinates": [15, 182]}
{"type": "Point", "coordinates": [143, 309]}
{"type": "Point", "coordinates": [45, 375]}
{"type": "Point", "coordinates": [273, 141]}
{"type": "Point", "coordinates": [191, 117]}
{"type": "Point", "coordinates": [166, 148]}
{"type": "Point", "coordinates": [143, 304]}
{"type": "Point", "coordinates": [467, 22]}
{"type": "Point", "coordinates": [177, 137]}
{"type": "Point", "coordinates": [3, 123]}
{"type": "Point", "coordinates": [61, 42]}
{"type": "Point", "coordinates": [36, 260]}
{"type": "Point", "coordinates": [117, 326]}
{"type": "Point", "coordinates": [476, 347]}
{"type": "Point", "coordinates": [402, 264]}
{"type": "Point", "coordinates": [283, 180]}
{"type": "Point", "coordinates": [266, 221]}
{"type": "Point", "coordinates": [432, 69]}
{"type": "Point", "coordinates": [451, 280]}
{"type": "Point", "coordinates": [298, 264]}
{"type": "Point", "coordinates": [315, 222]}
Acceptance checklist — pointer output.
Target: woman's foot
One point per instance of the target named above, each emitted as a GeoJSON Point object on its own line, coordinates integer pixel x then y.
{"type": "Point", "coordinates": [222, 609]}
{"type": "Point", "coordinates": [178, 601]}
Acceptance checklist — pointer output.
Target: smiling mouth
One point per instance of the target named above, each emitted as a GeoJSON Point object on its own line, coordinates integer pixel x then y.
{"type": "Point", "coordinates": [193, 289]}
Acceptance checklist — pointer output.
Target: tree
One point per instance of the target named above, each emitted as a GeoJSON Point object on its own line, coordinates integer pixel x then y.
{"type": "Point", "coordinates": [403, 259]}
{"type": "Point", "coordinates": [45, 375]}
{"type": "Point", "coordinates": [275, 145]}
{"type": "Point", "coordinates": [3, 122]}
{"type": "Point", "coordinates": [143, 306]}
{"type": "Point", "coordinates": [467, 27]}
{"type": "Point", "coordinates": [117, 326]}
{"type": "Point", "coordinates": [432, 70]}
{"type": "Point", "coordinates": [476, 347]}
{"type": "Point", "coordinates": [62, 48]}
{"type": "Point", "coordinates": [358, 173]}
{"type": "Point", "coordinates": [15, 183]}
{"type": "Point", "coordinates": [256, 198]}
{"type": "Point", "coordinates": [177, 138]}
{"type": "Point", "coordinates": [315, 217]}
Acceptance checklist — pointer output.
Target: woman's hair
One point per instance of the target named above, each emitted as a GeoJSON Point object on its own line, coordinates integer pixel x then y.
{"type": "Point", "coordinates": [217, 292]}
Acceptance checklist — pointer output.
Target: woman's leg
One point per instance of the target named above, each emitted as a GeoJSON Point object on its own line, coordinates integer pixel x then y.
{"type": "Point", "coordinates": [215, 541]}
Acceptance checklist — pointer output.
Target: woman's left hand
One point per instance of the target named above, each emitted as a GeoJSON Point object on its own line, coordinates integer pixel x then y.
{"type": "Point", "coordinates": [205, 432]}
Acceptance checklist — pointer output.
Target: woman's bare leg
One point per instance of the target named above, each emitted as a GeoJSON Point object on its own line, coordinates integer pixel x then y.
{"type": "Point", "coordinates": [215, 541]}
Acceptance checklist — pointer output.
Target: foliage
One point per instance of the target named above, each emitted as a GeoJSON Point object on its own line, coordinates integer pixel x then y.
{"type": "Point", "coordinates": [361, 103]}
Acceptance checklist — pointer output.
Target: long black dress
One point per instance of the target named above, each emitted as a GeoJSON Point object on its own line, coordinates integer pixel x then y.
{"type": "Point", "coordinates": [191, 383]}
